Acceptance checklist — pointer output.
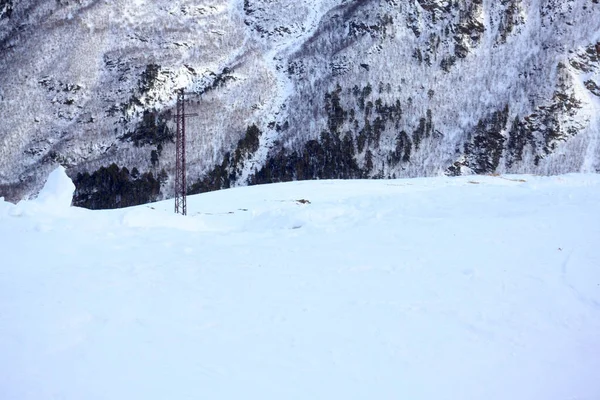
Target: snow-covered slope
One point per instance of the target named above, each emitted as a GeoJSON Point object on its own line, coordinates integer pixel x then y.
{"type": "Point", "coordinates": [424, 289]}
{"type": "Point", "coordinates": [336, 88]}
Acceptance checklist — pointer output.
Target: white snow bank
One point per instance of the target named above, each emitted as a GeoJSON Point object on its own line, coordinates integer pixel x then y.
{"type": "Point", "coordinates": [57, 193]}
{"type": "Point", "coordinates": [5, 207]}
{"type": "Point", "coordinates": [55, 198]}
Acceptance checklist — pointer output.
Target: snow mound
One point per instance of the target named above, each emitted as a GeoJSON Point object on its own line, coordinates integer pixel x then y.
{"type": "Point", "coordinates": [57, 193]}
{"type": "Point", "coordinates": [54, 199]}
{"type": "Point", "coordinates": [5, 207]}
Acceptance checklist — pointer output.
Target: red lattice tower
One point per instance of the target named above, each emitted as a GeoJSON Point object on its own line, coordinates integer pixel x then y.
{"type": "Point", "coordinates": [180, 175]}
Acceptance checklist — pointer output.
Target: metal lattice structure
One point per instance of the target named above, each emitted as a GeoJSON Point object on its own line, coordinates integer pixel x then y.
{"type": "Point", "coordinates": [180, 163]}
{"type": "Point", "coordinates": [180, 178]}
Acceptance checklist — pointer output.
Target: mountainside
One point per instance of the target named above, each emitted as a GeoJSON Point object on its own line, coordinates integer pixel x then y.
{"type": "Point", "coordinates": [293, 90]}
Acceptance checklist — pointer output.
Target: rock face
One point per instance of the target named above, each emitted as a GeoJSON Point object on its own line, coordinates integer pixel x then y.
{"type": "Point", "coordinates": [293, 90]}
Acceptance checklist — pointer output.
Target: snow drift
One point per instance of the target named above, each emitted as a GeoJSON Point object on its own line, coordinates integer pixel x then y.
{"type": "Point", "coordinates": [428, 289]}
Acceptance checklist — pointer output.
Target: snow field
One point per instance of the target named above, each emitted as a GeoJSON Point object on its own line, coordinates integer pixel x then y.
{"type": "Point", "coordinates": [434, 288]}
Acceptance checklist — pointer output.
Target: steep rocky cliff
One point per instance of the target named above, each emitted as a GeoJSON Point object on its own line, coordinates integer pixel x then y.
{"type": "Point", "coordinates": [293, 90]}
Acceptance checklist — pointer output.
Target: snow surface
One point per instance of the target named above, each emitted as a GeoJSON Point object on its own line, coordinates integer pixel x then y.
{"type": "Point", "coordinates": [433, 288]}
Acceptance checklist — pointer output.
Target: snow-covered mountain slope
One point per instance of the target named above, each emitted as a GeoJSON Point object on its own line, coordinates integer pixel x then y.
{"type": "Point", "coordinates": [294, 90]}
{"type": "Point", "coordinates": [424, 289]}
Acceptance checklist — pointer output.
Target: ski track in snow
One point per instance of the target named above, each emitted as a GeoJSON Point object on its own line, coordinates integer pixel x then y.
{"type": "Point", "coordinates": [433, 288]}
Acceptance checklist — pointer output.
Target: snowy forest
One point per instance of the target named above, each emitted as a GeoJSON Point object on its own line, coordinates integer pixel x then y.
{"type": "Point", "coordinates": [293, 90]}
